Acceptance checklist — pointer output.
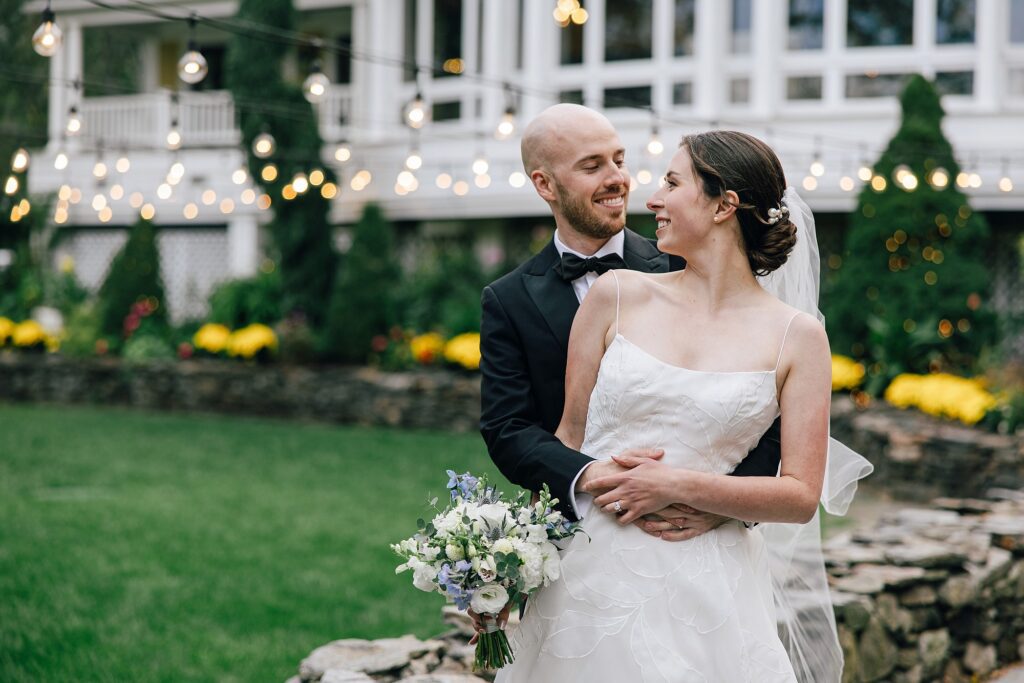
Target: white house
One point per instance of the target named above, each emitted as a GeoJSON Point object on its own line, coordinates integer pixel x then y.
{"type": "Point", "coordinates": [816, 78]}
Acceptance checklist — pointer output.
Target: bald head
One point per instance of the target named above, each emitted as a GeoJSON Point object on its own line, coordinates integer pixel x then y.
{"type": "Point", "coordinates": [550, 135]}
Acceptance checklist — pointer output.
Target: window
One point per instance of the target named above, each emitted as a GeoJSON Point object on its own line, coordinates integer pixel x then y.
{"type": "Point", "coordinates": [955, 82]}
{"type": "Point", "coordinates": [806, 24]}
{"type": "Point", "coordinates": [446, 111]}
{"type": "Point", "coordinates": [683, 42]}
{"type": "Point", "coordinates": [571, 96]}
{"type": "Point", "coordinates": [1017, 21]}
{"type": "Point", "coordinates": [682, 93]}
{"type": "Point", "coordinates": [409, 41]}
{"type": "Point", "coordinates": [447, 38]}
{"type": "Point", "coordinates": [803, 88]}
{"type": "Point", "coordinates": [739, 91]}
{"type": "Point", "coordinates": [627, 32]}
{"type": "Point", "coordinates": [871, 23]}
{"type": "Point", "coordinates": [635, 96]}
{"type": "Point", "coordinates": [343, 59]}
{"type": "Point", "coordinates": [954, 21]}
{"type": "Point", "coordinates": [572, 42]}
{"type": "Point", "coordinates": [875, 85]}
{"type": "Point", "coordinates": [741, 12]}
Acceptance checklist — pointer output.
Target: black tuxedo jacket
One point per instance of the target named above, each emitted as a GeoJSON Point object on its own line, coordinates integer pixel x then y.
{"type": "Point", "coordinates": [524, 341]}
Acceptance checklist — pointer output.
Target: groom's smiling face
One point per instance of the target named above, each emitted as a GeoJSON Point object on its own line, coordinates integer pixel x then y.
{"type": "Point", "coordinates": [590, 180]}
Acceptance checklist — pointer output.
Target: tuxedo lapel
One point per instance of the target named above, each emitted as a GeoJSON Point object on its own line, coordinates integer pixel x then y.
{"type": "Point", "coordinates": [553, 296]}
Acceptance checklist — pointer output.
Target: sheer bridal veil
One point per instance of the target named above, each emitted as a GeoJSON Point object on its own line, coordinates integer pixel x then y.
{"type": "Point", "coordinates": [802, 600]}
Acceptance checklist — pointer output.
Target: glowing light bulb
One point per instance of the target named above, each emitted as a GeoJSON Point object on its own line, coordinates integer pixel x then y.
{"type": "Point", "coordinates": [48, 37]}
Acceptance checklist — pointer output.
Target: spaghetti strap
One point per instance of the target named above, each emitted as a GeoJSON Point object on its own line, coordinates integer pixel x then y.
{"type": "Point", "coordinates": [783, 344]}
{"type": "Point", "coordinates": [614, 275]}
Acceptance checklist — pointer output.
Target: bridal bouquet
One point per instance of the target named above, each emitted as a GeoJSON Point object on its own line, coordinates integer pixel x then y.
{"type": "Point", "coordinates": [483, 552]}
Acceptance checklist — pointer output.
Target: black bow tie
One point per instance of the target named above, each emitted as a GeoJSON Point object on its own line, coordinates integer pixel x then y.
{"type": "Point", "coordinates": [572, 266]}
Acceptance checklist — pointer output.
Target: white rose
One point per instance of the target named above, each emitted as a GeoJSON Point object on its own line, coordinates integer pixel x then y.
{"type": "Point", "coordinates": [489, 599]}
{"type": "Point", "coordinates": [532, 569]}
{"type": "Point", "coordinates": [454, 551]}
{"type": "Point", "coordinates": [503, 545]}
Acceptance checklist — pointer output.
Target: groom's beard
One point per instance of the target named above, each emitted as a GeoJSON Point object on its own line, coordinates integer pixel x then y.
{"type": "Point", "coordinates": [582, 216]}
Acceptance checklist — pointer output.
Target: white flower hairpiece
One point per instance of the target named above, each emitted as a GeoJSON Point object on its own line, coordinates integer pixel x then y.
{"type": "Point", "coordinates": [777, 212]}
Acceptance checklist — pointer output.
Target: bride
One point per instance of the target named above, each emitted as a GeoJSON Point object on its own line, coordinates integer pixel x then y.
{"type": "Point", "coordinates": [699, 363]}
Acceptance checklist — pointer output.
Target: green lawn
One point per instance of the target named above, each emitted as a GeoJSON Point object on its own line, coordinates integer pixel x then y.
{"type": "Point", "coordinates": [152, 547]}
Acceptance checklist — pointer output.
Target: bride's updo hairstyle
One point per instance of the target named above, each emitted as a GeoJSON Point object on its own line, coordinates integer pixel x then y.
{"type": "Point", "coordinates": [729, 160]}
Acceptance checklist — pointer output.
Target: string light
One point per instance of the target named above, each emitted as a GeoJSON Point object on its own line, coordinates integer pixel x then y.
{"type": "Point", "coordinates": [480, 165]}
{"type": "Point", "coordinates": [517, 179]}
{"type": "Point", "coordinates": [864, 173]}
{"type": "Point", "coordinates": [569, 12]}
{"type": "Point", "coordinates": [300, 182]}
{"type": "Point", "coordinates": [116, 192]}
{"type": "Point", "coordinates": [209, 197]}
{"type": "Point", "coordinates": [846, 183]}
{"type": "Point", "coordinates": [11, 186]}
{"type": "Point", "coordinates": [20, 160]}
{"type": "Point", "coordinates": [316, 177]}
{"type": "Point", "coordinates": [482, 180]}
{"type": "Point", "coordinates": [192, 67]}
{"type": "Point", "coordinates": [263, 145]}
{"type": "Point", "coordinates": [443, 181]}
{"type": "Point", "coordinates": [48, 37]}
{"type": "Point", "coordinates": [315, 86]}
{"type": "Point", "coordinates": [416, 112]}
{"type": "Point", "coordinates": [99, 170]}
{"type": "Point", "coordinates": [1005, 183]}
{"type": "Point", "coordinates": [654, 145]}
{"type": "Point", "coordinates": [329, 191]}
{"type": "Point", "coordinates": [343, 152]}
{"type": "Point", "coordinates": [810, 183]}
{"type": "Point", "coordinates": [938, 178]}
{"type": "Point", "coordinates": [269, 173]}
{"type": "Point", "coordinates": [963, 180]}
{"type": "Point", "coordinates": [239, 176]}
{"type": "Point", "coordinates": [123, 164]}
{"type": "Point", "coordinates": [60, 162]}
{"type": "Point", "coordinates": [507, 125]}
{"type": "Point", "coordinates": [644, 176]}
{"type": "Point", "coordinates": [414, 161]}
{"type": "Point", "coordinates": [174, 136]}
{"type": "Point", "coordinates": [74, 124]}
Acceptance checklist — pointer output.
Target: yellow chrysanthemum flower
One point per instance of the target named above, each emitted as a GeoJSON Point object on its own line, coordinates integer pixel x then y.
{"type": "Point", "coordinates": [846, 373]}
{"type": "Point", "coordinates": [28, 334]}
{"type": "Point", "coordinates": [6, 329]}
{"type": "Point", "coordinates": [426, 348]}
{"type": "Point", "coordinates": [211, 337]}
{"type": "Point", "coordinates": [464, 349]}
{"type": "Point", "coordinates": [249, 341]}
{"type": "Point", "coordinates": [942, 395]}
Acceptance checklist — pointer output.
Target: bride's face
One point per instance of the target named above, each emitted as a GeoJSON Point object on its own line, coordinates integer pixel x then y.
{"type": "Point", "coordinates": [684, 213]}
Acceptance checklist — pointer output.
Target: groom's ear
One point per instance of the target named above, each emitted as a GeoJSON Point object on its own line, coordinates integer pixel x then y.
{"type": "Point", "coordinates": [542, 182]}
{"type": "Point", "coordinates": [726, 206]}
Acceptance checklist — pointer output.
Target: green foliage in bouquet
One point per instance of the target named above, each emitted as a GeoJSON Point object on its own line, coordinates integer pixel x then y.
{"type": "Point", "coordinates": [242, 302]}
{"type": "Point", "coordinates": [302, 236]}
{"type": "Point", "coordinates": [910, 294]}
{"type": "Point", "coordinates": [363, 304]}
{"type": "Point", "coordinates": [444, 291]}
{"type": "Point", "coordinates": [134, 276]}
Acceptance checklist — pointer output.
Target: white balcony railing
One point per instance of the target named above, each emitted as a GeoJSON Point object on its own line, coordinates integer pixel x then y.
{"type": "Point", "coordinates": [205, 119]}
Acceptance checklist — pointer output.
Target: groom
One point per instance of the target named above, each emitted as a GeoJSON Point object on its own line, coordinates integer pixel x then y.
{"type": "Point", "coordinates": [576, 162]}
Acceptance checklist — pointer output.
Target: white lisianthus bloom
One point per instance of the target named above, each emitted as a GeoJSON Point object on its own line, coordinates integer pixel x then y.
{"type": "Point", "coordinates": [552, 564]}
{"type": "Point", "coordinates": [454, 551]}
{"type": "Point", "coordinates": [489, 599]}
{"type": "Point", "coordinates": [503, 545]}
{"type": "Point", "coordinates": [423, 575]}
{"type": "Point", "coordinates": [488, 569]}
{"type": "Point", "coordinates": [445, 524]}
{"type": "Point", "coordinates": [525, 515]}
{"type": "Point", "coordinates": [430, 553]}
{"type": "Point", "coordinates": [491, 515]}
{"type": "Point", "coordinates": [536, 533]}
{"type": "Point", "coordinates": [532, 569]}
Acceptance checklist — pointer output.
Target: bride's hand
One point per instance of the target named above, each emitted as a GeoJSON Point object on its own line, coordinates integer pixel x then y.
{"type": "Point", "coordinates": [641, 490]}
{"type": "Point", "coordinates": [680, 523]}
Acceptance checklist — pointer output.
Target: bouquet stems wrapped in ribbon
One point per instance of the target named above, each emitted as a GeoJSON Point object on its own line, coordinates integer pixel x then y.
{"type": "Point", "coordinates": [483, 552]}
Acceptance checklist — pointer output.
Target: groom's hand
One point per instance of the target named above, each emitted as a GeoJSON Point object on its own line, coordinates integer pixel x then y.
{"type": "Point", "coordinates": [679, 522]}
{"type": "Point", "coordinates": [603, 468]}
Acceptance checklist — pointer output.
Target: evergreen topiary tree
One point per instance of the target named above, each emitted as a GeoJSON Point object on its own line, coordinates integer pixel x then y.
{"type": "Point", "coordinates": [910, 293]}
{"type": "Point", "coordinates": [301, 233]}
{"type": "Point", "coordinates": [363, 304]}
{"type": "Point", "coordinates": [133, 288]}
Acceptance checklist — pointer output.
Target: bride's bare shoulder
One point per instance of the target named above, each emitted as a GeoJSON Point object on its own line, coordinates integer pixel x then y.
{"type": "Point", "coordinates": [630, 284]}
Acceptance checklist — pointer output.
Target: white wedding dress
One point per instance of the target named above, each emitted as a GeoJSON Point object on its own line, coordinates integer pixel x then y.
{"type": "Point", "coordinates": [630, 607]}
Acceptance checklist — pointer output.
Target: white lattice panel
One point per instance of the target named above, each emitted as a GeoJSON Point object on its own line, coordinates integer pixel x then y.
{"type": "Point", "coordinates": [192, 263]}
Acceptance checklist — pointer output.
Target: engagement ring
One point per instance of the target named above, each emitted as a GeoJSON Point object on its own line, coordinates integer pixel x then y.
{"type": "Point", "coordinates": [617, 506]}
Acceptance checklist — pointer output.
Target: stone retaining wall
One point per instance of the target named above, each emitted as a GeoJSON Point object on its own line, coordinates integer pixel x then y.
{"type": "Point", "coordinates": [928, 595]}
{"type": "Point", "coordinates": [426, 399]}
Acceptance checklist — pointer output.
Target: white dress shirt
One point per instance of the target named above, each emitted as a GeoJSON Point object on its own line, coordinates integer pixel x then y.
{"type": "Point", "coordinates": [581, 286]}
